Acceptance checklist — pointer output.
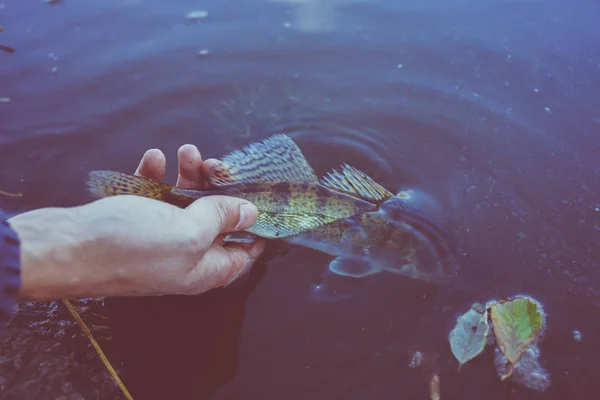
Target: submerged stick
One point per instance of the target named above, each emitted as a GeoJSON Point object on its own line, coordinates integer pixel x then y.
{"type": "Point", "coordinates": [99, 351]}
{"type": "Point", "coordinates": [3, 193]}
{"type": "Point", "coordinates": [7, 49]}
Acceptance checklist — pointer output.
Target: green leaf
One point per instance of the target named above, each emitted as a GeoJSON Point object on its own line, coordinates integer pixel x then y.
{"type": "Point", "coordinates": [517, 324]}
{"type": "Point", "coordinates": [469, 336]}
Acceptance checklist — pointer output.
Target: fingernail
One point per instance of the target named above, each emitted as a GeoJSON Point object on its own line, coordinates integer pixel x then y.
{"type": "Point", "coordinates": [245, 212]}
{"type": "Point", "coordinates": [242, 272]}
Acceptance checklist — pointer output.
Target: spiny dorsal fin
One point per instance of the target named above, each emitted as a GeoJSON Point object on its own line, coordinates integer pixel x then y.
{"type": "Point", "coordinates": [276, 159]}
{"type": "Point", "coordinates": [356, 183]}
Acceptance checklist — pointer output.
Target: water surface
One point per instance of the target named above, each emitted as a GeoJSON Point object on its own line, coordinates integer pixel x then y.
{"type": "Point", "coordinates": [490, 107]}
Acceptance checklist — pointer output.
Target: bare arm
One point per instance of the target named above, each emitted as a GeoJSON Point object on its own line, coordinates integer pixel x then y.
{"type": "Point", "coordinates": [129, 245]}
{"type": "Point", "coordinates": [49, 241]}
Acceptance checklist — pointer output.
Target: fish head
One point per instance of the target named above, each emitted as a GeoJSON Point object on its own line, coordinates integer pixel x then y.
{"type": "Point", "coordinates": [402, 239]}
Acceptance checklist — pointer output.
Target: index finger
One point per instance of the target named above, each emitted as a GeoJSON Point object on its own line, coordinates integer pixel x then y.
{"type": "Point", "coordinates": [153, 165]}
{"type": "Point", "coordinates": [190, 167]}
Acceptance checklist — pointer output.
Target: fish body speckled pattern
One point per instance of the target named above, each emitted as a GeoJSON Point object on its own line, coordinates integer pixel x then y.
{"type": "Point", "coordinates": [345, 214]}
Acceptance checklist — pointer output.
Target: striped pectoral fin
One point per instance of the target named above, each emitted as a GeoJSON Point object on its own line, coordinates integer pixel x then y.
{"type": "Point", "coordinates": [355, 267]}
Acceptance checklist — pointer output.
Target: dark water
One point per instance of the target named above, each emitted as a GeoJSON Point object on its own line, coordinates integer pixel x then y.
{"type": "Point", "coordinates": [493, 111]}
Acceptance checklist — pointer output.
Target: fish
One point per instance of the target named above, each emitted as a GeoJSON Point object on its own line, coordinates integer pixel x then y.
{"type": "Point", "coordinates": [345, 214]}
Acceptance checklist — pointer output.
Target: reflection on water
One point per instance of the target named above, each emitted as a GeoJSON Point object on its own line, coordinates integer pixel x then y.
{"type": "Point", "coordinates": [314, 15]}
{"type": "Point", "coordinates": [492, 115]}
{"type": "Point", "coordinates": [180, 346]}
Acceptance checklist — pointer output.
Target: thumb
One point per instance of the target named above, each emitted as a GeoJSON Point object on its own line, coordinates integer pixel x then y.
{"type": "Point", "coordinates": [221, 214]}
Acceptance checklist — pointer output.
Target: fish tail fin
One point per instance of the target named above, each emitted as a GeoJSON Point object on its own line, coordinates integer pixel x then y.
{"type": "Point", "coordinates": [112, 183]}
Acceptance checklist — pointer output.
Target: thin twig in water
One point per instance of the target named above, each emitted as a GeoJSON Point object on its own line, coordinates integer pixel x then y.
{"type": "Point", "coordinates": [7, 49]}
{"type": "Point", "coordinates": [3, 193]}
{"type": "Point", "coordinates": [230, 105]}
{"type": "Point", "coordinates": [434, 387]}
{"type": "Point", "coordinates": [99, 351]}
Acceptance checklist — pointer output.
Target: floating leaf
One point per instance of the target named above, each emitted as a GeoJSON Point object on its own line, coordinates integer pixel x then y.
{"type": "Point", "coordinates": [469, 336]}
{"type": "Point", "coordinates": [517, 324]}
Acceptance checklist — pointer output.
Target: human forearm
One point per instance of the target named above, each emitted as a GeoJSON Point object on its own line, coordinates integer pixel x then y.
{"type": "Point", "coordinates": [131, 245]}
{"type": "Point", "coordinates": [117, 246]}
{"type": "Point", "coordinates": [84, 251]}
{"type": "Point", "coordinates": [55, 252]}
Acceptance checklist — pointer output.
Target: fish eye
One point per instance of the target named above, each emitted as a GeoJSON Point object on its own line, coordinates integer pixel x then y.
{"type": "Point", "coordinates": [421, 200]}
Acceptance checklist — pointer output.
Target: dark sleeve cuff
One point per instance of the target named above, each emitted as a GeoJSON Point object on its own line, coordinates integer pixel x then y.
{"type": "Point", "coordinates": [10, 269]}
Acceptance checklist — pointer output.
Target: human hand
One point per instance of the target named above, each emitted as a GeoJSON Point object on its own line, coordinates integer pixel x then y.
{"type": "Point", "coordinates": [219, 264]}
{"type": "Point", "coordinates": [131, 245]}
